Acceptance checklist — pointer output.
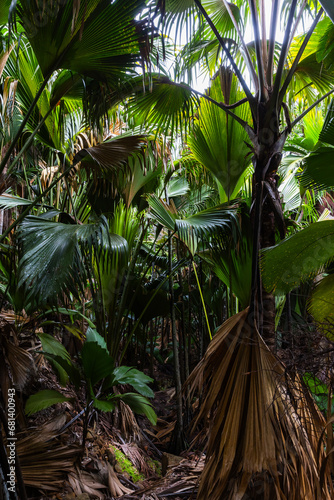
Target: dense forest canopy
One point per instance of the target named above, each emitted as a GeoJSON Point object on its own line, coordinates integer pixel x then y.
{"type": "Point", "coordinates": [166, 253]}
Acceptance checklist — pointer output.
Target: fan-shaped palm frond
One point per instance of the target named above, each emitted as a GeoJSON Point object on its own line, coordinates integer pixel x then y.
{"type": "Point", "coordinates": [217, 141]}
{"type": "Point", "coordinates": [52, 261]}
{"type": "Point", "coordinates": [318, 164]}
{"type": "Point", "coordinates": [99, 39]}
{"type": "Point", "coordinates": [107, 157]}
{"type": "Point", "coordinates": [194, 227]}
{"type": "Point", "coordinates": [165, 106]}
{"type": "Point", "coordinates": [231, 261]}
{"type": "Point", "coordinates": [298, 257]}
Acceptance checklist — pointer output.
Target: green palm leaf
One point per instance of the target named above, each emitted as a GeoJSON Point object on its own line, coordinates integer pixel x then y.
{"type": "Point", "coordinates": [192, 228]}
{"type": "Point", "coordinates": [319, 168]}
{"type": "Point", "coordinates": [322, 300]}
{"type": "Point", "coordinates": [96, 362]}
{"type": "Point", "coordinates": [218, 141]}
{"type": "Point", "coordinates": [96, 38]}
{"type": "Point", "coordinates": [165, 106]}
{"type": "Point", "coordinates": [51, 259]}
{"type": "Point", "coordinates": [43, 399]}
{"type": "Point", "coordinates": [297, 258]}
{"type": "Point", "coordinates": [8, 201]}
{"type": "Point", "coordinates": [327, 132]}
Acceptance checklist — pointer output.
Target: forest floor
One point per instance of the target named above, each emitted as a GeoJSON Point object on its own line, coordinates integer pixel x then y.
{"type": "Point", "coordinates": [123, 456]}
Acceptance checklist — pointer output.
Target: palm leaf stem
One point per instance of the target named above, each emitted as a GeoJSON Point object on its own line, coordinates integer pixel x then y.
{"type": "Point", "coordinates": [178, 429]}
{"type": "Point", "coordinates": [301, 116]}
{"type": "Point", "coordinates": [134, 296]}
{"type": "Point", "coordinates": [228, 53]}
{"type": "Point", "coordinates": [272, 36]}
{"type": "Point", "coordinates": [248, 59]}
{"type": "Point", "coordinates": [33, 204]}
{"type": "Point", "coordinates": [264, 34]}
{"type": "Point", "coordinates": [299, 16]}
{"type": "Point", "coordinates": [133, 331]}
{"type": "Point", "coordinates": [117, 328]}
{"type": "Point", "coordinates": [282, 59]}
{"type": "Point", "coordinates": [259, 56]}
{"type": "Point", "coordinates": [297, 59]}
{"type": "Point", "coordinates": [24, 122]}
{"type": "Point", "coordinates": [29, 141]}
{"type": "Point", "coordinates": [202, 299]}
{"type": "Point", "coordinates": [227, 109]}
{"type": "Point", "coordinates": [71, 201]}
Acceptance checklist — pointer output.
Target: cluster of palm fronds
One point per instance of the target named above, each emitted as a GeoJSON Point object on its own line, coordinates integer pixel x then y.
{"type": "Point", "coordinates": [135, 210]}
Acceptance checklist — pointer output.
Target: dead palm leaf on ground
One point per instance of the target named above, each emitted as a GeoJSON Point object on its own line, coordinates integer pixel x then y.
{"type": "Point", "coordinates": [44, 459]}
{"type": "Point", "coordinates": [96, 484]}
{"type": "Point", "coordinates": [267, 433]}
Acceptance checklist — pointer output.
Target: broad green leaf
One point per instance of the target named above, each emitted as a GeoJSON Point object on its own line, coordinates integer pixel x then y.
{"type": "Point", "coordinates": [66, 370]}
{"type": "Point", "coordinates": [322, 301]}
{"type": "Point", "coordinates": [4, 11]}
{"type": "Point", "coordinates": [96, 362]}
{"type": "Point", "coordinates": [53, 346]}
{"type": "Point", "coordinates": [134, 377]}
{"type": "Point", "coordinates": [297, 258]}
{"type": "Point", "coordinates": [314, 384]}
{"type": "Point", "coordinates": [43, 399]}
{"type": "Point", "coordinates": [63, 376]}
{"type": "Point", "coordinates": [140, 405]}
{"type": "Point", "coordinates": [103, 405]}
{"type": "Point", "coordinates": [93, 336]}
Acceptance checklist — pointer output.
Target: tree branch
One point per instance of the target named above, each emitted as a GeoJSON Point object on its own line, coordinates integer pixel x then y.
{"type": "Point", "coordinates": [248, 59]}
{"type": "Point", "coordinates": [284, 51]}
{"type": "Point", "coordinates": [221, 105]}
{"type": "Point", "coordinates": [300, 117]}
{"type": "Point", "coordinates": [297, 58]}
{"type": "Point", "coordinates": [229, 55]}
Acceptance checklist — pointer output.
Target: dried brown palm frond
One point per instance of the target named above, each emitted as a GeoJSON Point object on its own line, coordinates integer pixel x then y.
{"type": "Point", "coordinates": [16, 369]}
{"type": "Point", "coordinates": [138, 458]}
{"type": "Point", "coordinates": [47, 175]}
{"type": "Point", "coordinates": [97, 484]}
{"type": "Point", "coordinates": [125, 421]}
{"type": "Point", "coordinates": [267, 432]}
{"type": "Point", "coordinates": [44, 459]}
{"type": "Point", "coordinates": [20, 362]}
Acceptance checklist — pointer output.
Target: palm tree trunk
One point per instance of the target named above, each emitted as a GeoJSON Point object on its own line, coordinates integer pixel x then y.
{"type": "Point", "coordinates": [177, 441]}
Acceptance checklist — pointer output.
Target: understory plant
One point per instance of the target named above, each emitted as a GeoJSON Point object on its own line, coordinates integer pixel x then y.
{"type": "Point", "coordinates": [95, 370]}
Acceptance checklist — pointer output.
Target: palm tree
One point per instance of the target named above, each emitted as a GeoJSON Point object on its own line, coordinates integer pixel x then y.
{"type": "Point", "coordinates": [242, 379]}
